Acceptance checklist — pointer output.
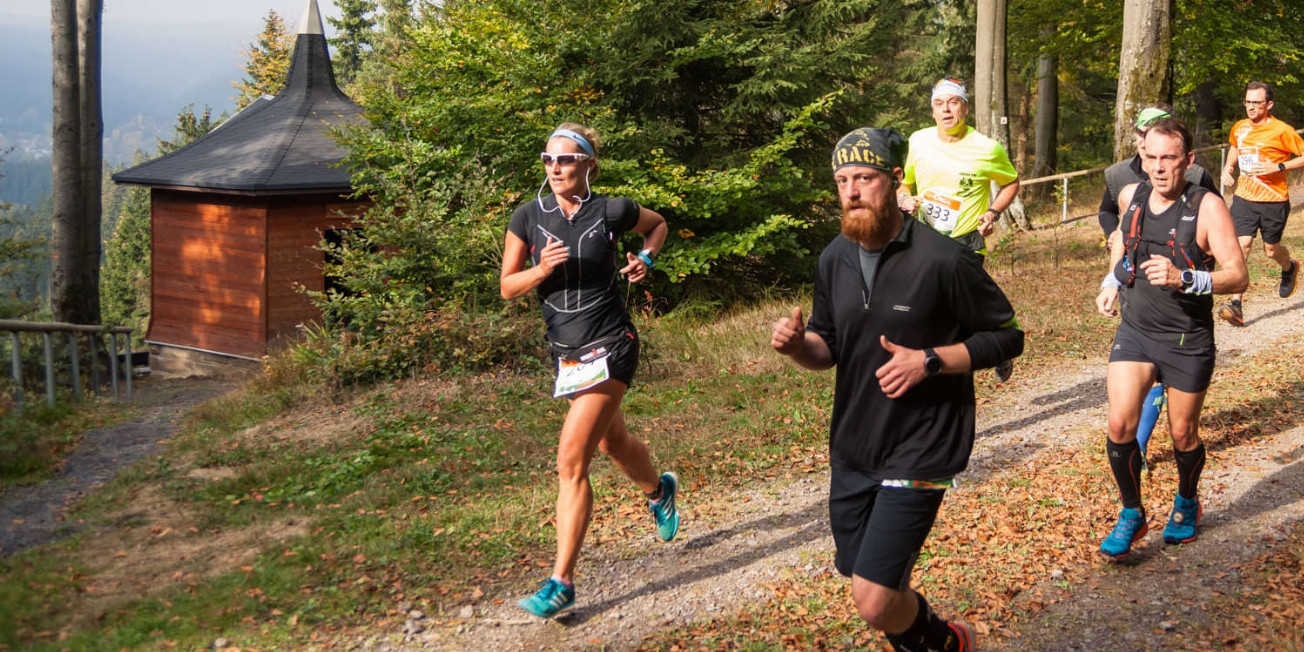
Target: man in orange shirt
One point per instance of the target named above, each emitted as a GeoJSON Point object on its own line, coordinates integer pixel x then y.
{"type": "Point", "coordinates": [1264, 148]}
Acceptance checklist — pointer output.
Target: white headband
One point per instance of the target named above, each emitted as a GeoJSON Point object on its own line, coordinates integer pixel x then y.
{"type": "Point", "coordinates": [948, 87]}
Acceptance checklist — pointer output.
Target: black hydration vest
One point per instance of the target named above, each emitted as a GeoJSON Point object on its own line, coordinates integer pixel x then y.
{"type": "Point", "coordinates": [1157, 310]}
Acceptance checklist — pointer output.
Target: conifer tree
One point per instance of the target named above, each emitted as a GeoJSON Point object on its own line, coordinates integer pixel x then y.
{"type": "Point", "coordinates": [392, 24]}
{"type": "Point", "coordinates": [190, 126]}
{"type": "Point", "coordinates": [15, 252]}
{"type": "Point", "coordinates": [267, 62]}
{"type": "Point", "coordinates": [355, 35]}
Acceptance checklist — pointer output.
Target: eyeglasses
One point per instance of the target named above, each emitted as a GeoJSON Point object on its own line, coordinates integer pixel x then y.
{"type": "Point", "coordinates": [565, 160]}
{"type": "Point", "coordinates": [1255, 102]}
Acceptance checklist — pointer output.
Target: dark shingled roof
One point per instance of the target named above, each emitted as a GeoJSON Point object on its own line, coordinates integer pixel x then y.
{"type": "Point", "coordinates": [275, 144]}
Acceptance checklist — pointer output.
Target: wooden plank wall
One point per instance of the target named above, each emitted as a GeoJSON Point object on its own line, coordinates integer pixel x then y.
{"type": "Point", "coordinates": [295, 227]}
{"type": "Point", "coordinates": [209, 271]}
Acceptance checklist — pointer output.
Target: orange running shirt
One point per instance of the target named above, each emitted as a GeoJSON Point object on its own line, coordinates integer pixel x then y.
{"type": "Point", "coordinates": [1271, 142]}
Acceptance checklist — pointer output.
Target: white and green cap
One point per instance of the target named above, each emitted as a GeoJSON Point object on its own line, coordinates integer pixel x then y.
{"type": "Point", "coordinates": [1149, 116]}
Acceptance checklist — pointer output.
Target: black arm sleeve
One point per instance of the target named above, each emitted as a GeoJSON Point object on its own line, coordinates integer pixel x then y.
{"type": "Point", "coordinates": [1108, 212]}
{"type": "Point", "coordinates": [983, 309]}
{"type": "Point", "coordinates": [821, 312]}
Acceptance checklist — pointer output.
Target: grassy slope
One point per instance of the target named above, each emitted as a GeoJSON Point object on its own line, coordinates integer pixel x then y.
{"type": "Point", "coordinates": [282, 515]}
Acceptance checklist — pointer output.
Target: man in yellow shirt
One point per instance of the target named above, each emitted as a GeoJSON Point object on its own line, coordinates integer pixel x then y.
{"type": "Point", "coordinates": [1264, 148]}
{"type": "Point", "coordinates": [949, 174]}
{"type": "Point", "coordinates": [949, 171]}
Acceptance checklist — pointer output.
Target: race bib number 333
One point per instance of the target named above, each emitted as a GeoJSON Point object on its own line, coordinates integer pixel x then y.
{"type": "Point", "coordinates": [940, 211]}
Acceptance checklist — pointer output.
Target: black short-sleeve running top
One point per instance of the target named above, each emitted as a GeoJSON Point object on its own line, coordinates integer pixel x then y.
{"type": "Point", "coordinates": [581, 300]}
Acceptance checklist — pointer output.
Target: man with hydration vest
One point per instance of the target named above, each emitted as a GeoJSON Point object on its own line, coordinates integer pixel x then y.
{"type": "Point", "coordinates": [1175, 248]}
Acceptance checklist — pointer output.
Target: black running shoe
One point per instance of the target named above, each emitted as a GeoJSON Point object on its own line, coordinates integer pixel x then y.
{"type": "Point", "coordinates": [1288, 276]}
{"type": "Point", "coordinates": [1004, 369]}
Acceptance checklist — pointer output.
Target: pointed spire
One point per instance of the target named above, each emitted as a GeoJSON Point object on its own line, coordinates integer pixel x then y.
{"type": "Point", "coordinates": [310, 22]}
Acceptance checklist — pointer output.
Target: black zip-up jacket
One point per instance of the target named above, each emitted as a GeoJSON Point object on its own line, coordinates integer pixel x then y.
{"type": "Point", "coordinates": [928, 292]}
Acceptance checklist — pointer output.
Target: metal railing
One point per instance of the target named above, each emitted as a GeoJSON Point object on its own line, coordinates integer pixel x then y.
{"type": "Point", "coordinates": [1064, 177]}
{"type": "Point", "coordinates": [73, 333]}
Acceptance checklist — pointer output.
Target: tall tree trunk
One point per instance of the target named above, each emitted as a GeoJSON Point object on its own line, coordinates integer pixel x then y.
{"type": "Point", "coordinates": [89, 21]}
{"type": "Point", "coordinates": [1019, 124]}
{"type": "Point", "coordinates": [989, 67]}
{"type": "Point", "coordinates": [1047, 116]}
{"type": "Point", "coordinates": [989, 96]}
{"type": "Point", "coordinates": [66, 289]}
{"type": "Point", "coordinates": [1144, 73]}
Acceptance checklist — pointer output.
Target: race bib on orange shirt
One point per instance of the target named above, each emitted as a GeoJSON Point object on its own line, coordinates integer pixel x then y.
{"type": "Point", "coordinates": [1248, 158]}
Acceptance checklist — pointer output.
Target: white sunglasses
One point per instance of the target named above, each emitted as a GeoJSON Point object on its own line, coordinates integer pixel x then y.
{"type": "Point", "coordinates": [563, 159]}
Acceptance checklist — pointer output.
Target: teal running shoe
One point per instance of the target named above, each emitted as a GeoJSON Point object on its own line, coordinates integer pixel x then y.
{"type": "Point", "coordinates": [1130, 528]}
{"type": "Point", "coordinates": [553, 598]}
{"type": "Point", "coordinates": [664, 511]}
{"type": "Point", "coordinates": [1181, 523]}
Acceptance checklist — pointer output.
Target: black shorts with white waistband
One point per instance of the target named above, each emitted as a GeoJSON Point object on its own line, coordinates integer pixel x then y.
{"type": "Point", "coordinates": [878, 531]}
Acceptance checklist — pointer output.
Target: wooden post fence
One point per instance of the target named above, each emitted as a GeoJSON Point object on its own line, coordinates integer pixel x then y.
{"type": "Point", "coordinates": [73, 349]}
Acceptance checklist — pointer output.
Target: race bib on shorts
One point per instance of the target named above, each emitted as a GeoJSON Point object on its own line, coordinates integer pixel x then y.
{"type": "Point", "coordinates": [1248, 157]}
{"type": "Point", "coordinates": [575, 376]}
{"type": "Point", "coordinates": [940, 211]}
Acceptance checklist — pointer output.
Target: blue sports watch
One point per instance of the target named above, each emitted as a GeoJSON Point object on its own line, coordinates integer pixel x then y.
{"type": "Point", "coordinates": [646, 257]}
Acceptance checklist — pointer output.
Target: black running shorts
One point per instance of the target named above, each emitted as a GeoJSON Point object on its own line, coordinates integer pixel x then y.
{"type": "Point", "coordinates": [878, 531]}
{"type": "Point", "coordinates": [622, 361]}
{"type": "Point", "coordinates": [973, 241]}
{"type": "Point", "coordinates": [1266, 217]}
{"type": "Point", "coordinates": [1181, 364]}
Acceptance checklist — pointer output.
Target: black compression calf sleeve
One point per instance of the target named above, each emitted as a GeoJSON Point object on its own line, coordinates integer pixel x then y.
{"type": "Point", "coordinates": [1189, 466]}
{"type": "Point", "coordinates": [1125, 461]}
{"type": "Point", "coordinates": [927, 632]}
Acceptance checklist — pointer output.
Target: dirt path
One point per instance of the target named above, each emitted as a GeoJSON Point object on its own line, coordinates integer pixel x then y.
{"type": "Point", "coordinates": [728, 551]}
{"type": "Point", "coordinates": [33, 514]}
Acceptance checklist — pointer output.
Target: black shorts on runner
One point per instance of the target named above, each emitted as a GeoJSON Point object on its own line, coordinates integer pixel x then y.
{"type": "Point", "coordinates": [1266, 217]}
{"type": "Point", "coordinates": [1182, 365]}
{"type": "Point", "coordinates": [622, 361]}
{"type": "Point", "coordinates": [878, 531]}
{"type": "Point", "coordinates": [973, 241]}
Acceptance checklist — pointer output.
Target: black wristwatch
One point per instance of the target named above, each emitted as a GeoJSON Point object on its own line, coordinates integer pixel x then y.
{"type": "Point", "coordinates": [1188, 278]}
{"type": "Point", "coordinates": [932, 362]}
{"type": "Point", "coordinates": [1281, 167]}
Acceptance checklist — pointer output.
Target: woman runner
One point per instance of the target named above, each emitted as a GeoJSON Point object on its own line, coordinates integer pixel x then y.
{"type": "Point", "coordinates": [570, 238]}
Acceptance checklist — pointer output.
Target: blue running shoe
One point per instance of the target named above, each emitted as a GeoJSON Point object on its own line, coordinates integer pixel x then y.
{"type": "Point", "coordinates": [1181, 523]}
{"type": "Point", "coordinates": [1130, 528]}
{"type": "Point", "coordinates": [667, 517]}
{"type": "Point", "coordinates": [553, 598]}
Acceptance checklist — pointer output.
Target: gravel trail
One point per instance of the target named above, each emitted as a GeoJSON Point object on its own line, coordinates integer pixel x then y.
{"type": "Point", "coordinates": [32, 515]}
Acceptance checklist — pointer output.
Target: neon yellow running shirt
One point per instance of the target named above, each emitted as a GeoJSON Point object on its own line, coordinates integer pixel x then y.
{"type": "Point", "coordinates": [951, 179]}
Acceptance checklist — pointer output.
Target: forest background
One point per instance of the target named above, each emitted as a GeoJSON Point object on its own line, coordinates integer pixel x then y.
{"type": "Point", "coordinates": [718, 114]}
